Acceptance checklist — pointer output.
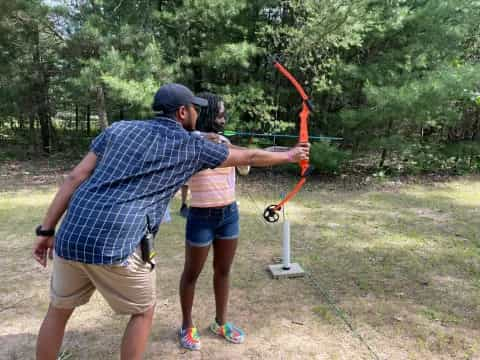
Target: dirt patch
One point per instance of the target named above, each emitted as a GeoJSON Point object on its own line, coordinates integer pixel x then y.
{"type": "Point", "coordinates": [437, 216]}
{"type": "Point", "coordinates": [16, 175]}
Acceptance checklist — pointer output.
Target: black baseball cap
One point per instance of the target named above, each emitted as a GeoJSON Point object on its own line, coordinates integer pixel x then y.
{"type": "Point", "coordinates": [171, 96]}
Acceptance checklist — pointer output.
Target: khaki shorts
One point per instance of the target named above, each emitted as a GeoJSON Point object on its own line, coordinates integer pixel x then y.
{"type": "Point", "coordinates": [128, 289]}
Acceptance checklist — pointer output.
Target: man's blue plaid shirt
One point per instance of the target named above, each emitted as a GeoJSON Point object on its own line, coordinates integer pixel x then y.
{"type": "Point", "coordinates": [140, 166]}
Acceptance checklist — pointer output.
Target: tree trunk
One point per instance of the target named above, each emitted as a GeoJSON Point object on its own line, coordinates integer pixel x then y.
{"type": "Point", "coordinates": [33, 138]}
{"type": "Point", "coordinates": [476, 126]}
{"type": "Point", "coordinates": [88, 120]}
{"type": "Point", "coordinates": [195, 65]}
{"type": "Point", "coordinates": [101, 111]}
{"type": "Point", "coordinates": [383, 157]}
{"type": "Point", "coordinates": [384, 150]}
{"type": "Point", "coordinates": [76, 117]}
{"type": "Point", "coordinates": [44, 129]}
{"type": "Point", "coordinates": [197, 77]}
{"type": "Point", "coordinates": [21, 121]}
{"type": "Point", "coordinates": [40, 94]}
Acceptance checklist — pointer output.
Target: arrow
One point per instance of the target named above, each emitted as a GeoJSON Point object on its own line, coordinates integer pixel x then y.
{"type": "Point", "coordinates": [239, 133]}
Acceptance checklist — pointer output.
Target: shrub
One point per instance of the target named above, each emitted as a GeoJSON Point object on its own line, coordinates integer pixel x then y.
{"type": "Point", "coordinates": [458, 158]}
{"type": "Point", "coordinates": [326, 157]}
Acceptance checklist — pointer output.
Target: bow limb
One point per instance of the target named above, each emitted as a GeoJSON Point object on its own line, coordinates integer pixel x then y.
{"type": "Point", "coordinates": [292, 193]}
{"type": "Point", "coordinates": [290, 77]}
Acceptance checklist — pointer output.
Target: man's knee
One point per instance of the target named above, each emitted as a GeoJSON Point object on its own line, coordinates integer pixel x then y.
{"type": "Point", "coordinates": [59, 314]}
{"type": "Point", "coordinates": [147, 314]}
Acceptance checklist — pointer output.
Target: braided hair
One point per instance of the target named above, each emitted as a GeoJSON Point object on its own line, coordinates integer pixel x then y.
{"type": "Point", "coordinates": [208, 114]}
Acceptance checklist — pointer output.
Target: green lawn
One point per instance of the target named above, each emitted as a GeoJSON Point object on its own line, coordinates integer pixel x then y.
{"type": "Point", "coordinates": [393, 271]}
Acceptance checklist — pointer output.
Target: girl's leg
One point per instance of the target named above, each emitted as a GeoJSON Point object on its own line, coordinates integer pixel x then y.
{"type": "Point", "coordinates": [223, 254]}
{"type": "Point", "coordinates": [195, 257]}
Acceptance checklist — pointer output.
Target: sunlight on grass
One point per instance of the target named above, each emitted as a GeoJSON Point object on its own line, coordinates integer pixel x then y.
{"type": "Point", "coordinates": [11, 200]}
{"type": "Point", "coordinates": [21, 212]}
{"type": "Point", "coordinates": [466, 193]}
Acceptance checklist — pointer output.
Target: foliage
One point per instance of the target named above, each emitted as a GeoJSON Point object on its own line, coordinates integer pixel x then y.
{"type": "Point", "coordinates": [327, 158]}
{"type": "Point", "coordinates": [389, 77]}
{"type": "Point", "coordinates": [458, 159]}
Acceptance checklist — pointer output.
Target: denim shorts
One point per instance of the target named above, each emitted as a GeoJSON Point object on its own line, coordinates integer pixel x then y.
{"type": "Point", "coordinates": [204, 225]}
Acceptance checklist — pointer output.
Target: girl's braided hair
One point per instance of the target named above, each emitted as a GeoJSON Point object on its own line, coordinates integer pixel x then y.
{"type": "Point", "coordinates": [207, 116]}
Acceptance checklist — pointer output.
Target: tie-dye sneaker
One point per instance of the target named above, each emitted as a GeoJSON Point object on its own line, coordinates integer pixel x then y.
{"type": "Point", "coordinates": [229, 332]}
{"type": "Point", "coordinates": [189, 338]}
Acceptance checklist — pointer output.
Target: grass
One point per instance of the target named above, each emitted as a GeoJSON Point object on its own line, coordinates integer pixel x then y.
{"type": "Point", "coordinates": [401, 262]}
{"type": "Point", "coordinates": [396, 259]}
{"type": "Point", "coordinates": [413, 251]}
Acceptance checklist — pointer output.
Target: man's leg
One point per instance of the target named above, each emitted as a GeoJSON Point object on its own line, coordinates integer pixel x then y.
{"type": "Point", "coordinates": [69, 287]}
{"type": "Point", "coordinates": [129, 289]}
{"type": "Point", "coordinates": [51, 333]}
{"type": "Point", "coordinates": [136, 335]}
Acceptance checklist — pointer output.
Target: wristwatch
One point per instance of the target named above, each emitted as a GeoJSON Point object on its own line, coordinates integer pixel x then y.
{"type": "Point", "coordinates": [44, 232]}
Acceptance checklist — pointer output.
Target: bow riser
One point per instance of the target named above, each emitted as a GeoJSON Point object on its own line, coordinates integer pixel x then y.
{"type": "Point", "coordinates": [303, 137]}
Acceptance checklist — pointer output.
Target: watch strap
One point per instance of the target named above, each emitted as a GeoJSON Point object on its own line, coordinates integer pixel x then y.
{"type": "Point", "coordinates": [44, 232]}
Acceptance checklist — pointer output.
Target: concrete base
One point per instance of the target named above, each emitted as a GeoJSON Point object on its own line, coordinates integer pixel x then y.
{"type": "Point", "coordinates": [279, 272]}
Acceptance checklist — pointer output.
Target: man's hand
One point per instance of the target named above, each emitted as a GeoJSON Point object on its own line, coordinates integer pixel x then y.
{"type": "Point", "coordinates": [43, 246]}
{"type": "Point", "coordinates": [300, 152]}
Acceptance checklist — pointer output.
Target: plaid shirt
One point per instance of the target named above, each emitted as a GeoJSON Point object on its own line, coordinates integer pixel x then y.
{"type": "Point", "coordinates": [140, 166]}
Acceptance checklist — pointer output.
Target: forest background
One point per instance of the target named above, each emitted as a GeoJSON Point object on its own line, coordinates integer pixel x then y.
{"type": "Point", "coordinates": [397, 80]}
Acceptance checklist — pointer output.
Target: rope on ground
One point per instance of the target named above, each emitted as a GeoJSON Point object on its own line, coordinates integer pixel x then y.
{"type": "Point", "coordinates": [339, 312]}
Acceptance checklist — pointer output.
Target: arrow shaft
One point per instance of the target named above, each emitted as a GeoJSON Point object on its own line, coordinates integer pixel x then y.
{"type": "Point", "coordinates": [239, 133]}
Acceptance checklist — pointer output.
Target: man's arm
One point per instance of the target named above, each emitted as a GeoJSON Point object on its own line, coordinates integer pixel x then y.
{"type": "Point", "coordinates": [231, 146]}
{"type": "Point", "coordinates": [256, 157]}
{"type": "Point", "coordinates": [78, 175]}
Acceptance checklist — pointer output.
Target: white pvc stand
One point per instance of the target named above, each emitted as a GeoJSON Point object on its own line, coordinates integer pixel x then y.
{"type": "Point", "coordinates": [286, 269]}
{"type": "Point", "coordinates": [286, 244]}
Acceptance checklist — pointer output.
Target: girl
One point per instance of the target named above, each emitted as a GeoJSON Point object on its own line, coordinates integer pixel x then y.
{"type": "Point", "coordinates": [212, 222]}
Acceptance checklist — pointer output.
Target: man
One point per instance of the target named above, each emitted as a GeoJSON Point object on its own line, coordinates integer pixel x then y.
{"type": "Point", "coordinates": [115, 197]}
